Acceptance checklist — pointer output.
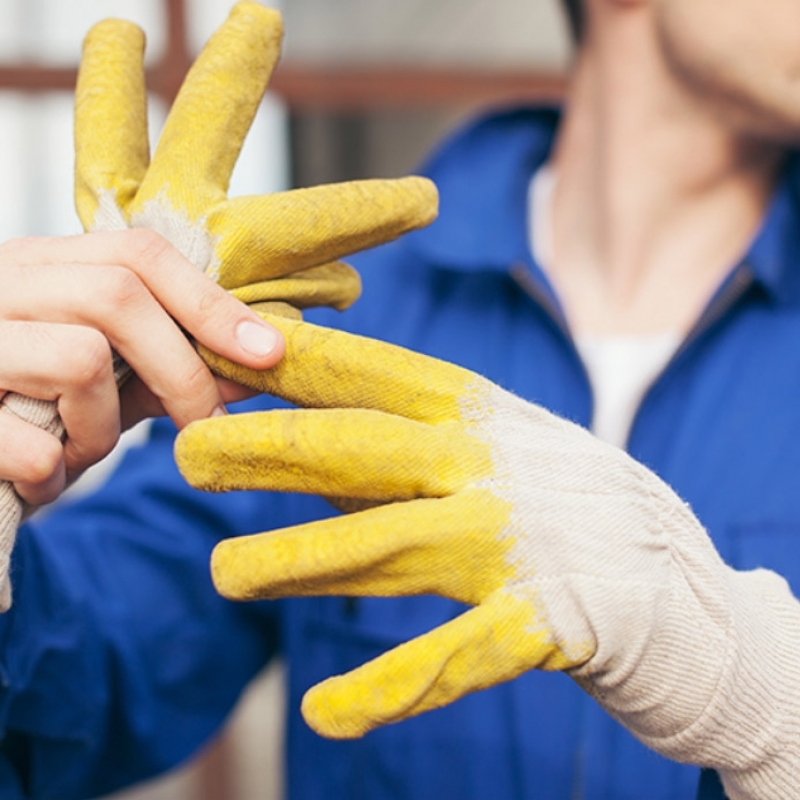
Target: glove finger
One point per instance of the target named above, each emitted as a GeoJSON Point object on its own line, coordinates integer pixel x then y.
{"type": "Point", "coordinates": [339, 452]}
{"type": "Point", "coordinates": [487, 645]}
{"type": "Point", "coordinates": [336, 285]}
{"type": "Point", "coordinates": [111, 144]}
{"type": "Point", "coordinates": [324, 368]}
{"type": "Point", "coordinates": [440, 546]}
{"type": "Point", "coordinates": [276, 308]}
{"type": "Point", "coordinates": [269, 236]}
{"type": "Point", "coordinates": [213, 111]}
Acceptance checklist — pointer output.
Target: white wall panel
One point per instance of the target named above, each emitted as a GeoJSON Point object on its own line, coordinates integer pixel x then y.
{"type": "Point", "coordinates": [51, 31]}
{"type": "Point", "coordinates": [477, 32]}
{"type": "Point", "coordinates": [36, 157]}
{"type": "Point", "coordinates": [16, 165]}
{"type": "Point", "coordinates": [12, 47]}
{"type": "Point", "coordinates": [264, 163]}
{"type": "Point", "coordinates": [207, 15]}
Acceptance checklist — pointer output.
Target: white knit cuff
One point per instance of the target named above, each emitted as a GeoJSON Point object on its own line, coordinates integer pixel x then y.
{"type": "Point", "coordinates": [44, 415]}
{"type": "Point", "coordinates": [750, 732]}
{"type": "Point", "coordinates": [758, 713]}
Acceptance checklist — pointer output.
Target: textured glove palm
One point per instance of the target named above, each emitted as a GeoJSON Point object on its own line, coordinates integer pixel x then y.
{"type": "Point", "coordinates": [574, 556]}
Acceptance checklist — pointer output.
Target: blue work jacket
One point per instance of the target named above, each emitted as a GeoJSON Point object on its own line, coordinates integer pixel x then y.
{"type": "Point", "coordinates": [118, 659]}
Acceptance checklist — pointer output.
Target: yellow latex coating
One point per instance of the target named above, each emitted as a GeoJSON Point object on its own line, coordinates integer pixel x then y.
{"type": "Point", "coordinates": [244, 243]}
{"type": "Point", "coordinates": [492, 643]}
{"type": "Point", "coordinates": [111, 144]}
{"type": "Point", "coordinates": [260, 237]}
{"type": "Point", "coordinates": [213, 111]}
{"type": "Point", "coordinates": [369, 374]}
{"type": "Point", "coordinates": [318, 452]}
{"type": "Point", "coordinates": [278, 308]}
{"type": "Point", "coordinates": [420, 439]}
{"type": "Point", "coordinates": [382, 425]}
{"type": "Point", "coordinates": [445, 549]}
{"type": "Point", "coordinates": [336, 285]}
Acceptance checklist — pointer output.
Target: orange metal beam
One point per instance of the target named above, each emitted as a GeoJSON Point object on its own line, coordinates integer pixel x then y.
{"type": "Point", "coordinates": [36, 78]}
{"type": "Point", "coordinates": [368, 87]}
{"type": "Point", "coordinates": [332, 88]}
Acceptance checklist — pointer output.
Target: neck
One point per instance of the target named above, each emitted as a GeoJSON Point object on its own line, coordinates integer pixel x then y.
{"type": "Point", "coordinates": [656, 199]}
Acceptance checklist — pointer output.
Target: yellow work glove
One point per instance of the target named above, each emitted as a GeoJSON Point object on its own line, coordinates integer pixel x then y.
{"type": "Point", "coordinates": [574, 556]}
{"type": "Point", "coordinates": [275, 252]}
{"type": "Point", "coordinates": [279, 247]}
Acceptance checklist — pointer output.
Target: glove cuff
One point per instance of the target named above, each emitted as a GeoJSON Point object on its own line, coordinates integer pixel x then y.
{"type": "Point", "coordinates": [753, 735]}
{"type": "Point", "coordinates": [750, 730]}
{"type": "Point", "coordinates": [44, 415]}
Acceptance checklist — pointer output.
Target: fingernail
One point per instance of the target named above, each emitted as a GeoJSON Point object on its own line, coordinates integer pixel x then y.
{"type": "Point", "coordinates": [258, 340]}
{"type": "Point", "coordinates": [220, 411]}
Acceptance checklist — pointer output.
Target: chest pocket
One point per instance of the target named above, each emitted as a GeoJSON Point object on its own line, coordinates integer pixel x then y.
{"type": "Point", "coordinates": [773, 545]}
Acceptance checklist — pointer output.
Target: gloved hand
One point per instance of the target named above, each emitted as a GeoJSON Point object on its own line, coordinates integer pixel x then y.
{"type": "Point", "coordinates": [276, 247]}
{"type": "Point", "coordinates": [267, 250]}
{"type": "Point", "coordinates": [574, 556]}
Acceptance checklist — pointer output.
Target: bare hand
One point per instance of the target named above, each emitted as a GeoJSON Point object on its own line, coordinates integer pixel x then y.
{"type": "Point", "coordinates": [65, 303]}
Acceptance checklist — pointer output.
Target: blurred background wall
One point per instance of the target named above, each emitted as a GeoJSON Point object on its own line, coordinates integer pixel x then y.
{"type": "Point", "coordinates": [364, 89]}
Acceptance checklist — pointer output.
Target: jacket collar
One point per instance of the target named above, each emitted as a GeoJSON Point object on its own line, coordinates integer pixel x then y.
{"type": "Point", "coordinates": [482, 223]}
{"type": "Point", "coordinates": [774, 256]}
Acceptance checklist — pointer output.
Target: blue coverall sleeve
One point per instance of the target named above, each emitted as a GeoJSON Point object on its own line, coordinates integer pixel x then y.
{"type": "Point", "coordinates": [118, 659]}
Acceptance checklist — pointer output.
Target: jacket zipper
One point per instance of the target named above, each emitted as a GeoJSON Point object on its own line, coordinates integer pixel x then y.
{"type": "Point", "coordinates": [738, 283]}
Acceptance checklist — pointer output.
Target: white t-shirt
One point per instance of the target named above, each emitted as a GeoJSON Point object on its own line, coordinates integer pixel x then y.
{"type": "Point", "coordinates": [620, 368]}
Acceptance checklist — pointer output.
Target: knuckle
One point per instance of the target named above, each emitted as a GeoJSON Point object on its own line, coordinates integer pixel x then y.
{"type": "Point", "coordinates": [82, 455]}
{"type": "Point", "coordinates": [89, 358]}
{"type": "Point", "coordinates": [41, 462]}
{"type": "Point", "coordinates": [211, 302]}
{"type": "Point", "coordinates": [145, 248]}
{"type": "Point", "coordinates": [197, 385]}
{"type": "Point", "coordinates": [122, 290]}
{"type": "Point", "coordinates": [213, 314]}
{"type": "Point", "coordinates": [104, 447]}
{"type": "Point", "coordinates": [197, 379]}
{"type": "Point", "coordinates": [210, 310]}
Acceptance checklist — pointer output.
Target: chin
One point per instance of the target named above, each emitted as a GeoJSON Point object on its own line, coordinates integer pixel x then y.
{"type": "Point", "coordinates": [774, 119]}
{"type": "Point", "coordinates": [753, 88]}
{"type": "Point", "coordinates": [749, 102]}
